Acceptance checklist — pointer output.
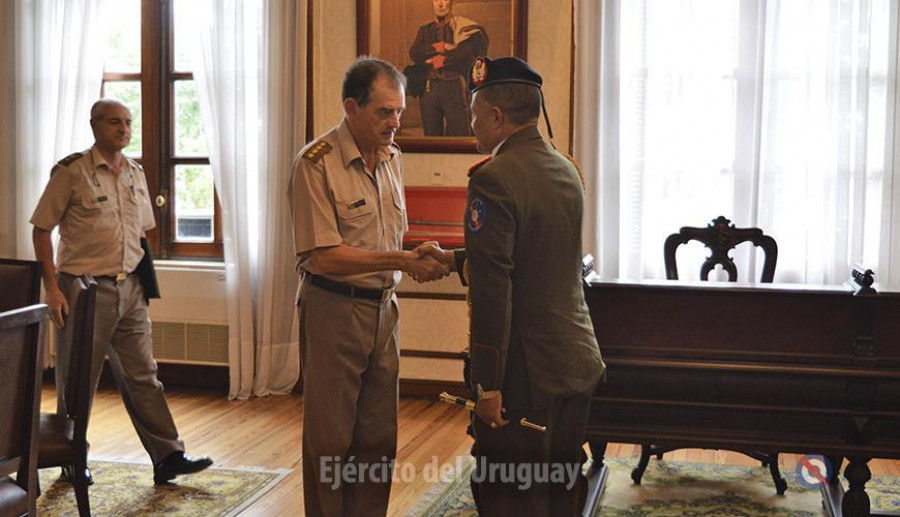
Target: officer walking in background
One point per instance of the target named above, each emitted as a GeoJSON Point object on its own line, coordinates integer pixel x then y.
{"type": "Point", "coordinates": [99, 200]}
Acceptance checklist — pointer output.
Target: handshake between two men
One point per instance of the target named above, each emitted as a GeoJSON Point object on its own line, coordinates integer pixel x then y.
{"type": "Point", "coordinates": [430, 262]}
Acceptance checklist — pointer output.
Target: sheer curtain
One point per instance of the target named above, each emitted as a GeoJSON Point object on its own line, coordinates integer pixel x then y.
{"type": "Point", "coordinates": [774, 113]}
{"type": "Point", "coordinates": [284, 133]}
{"type": "Point", "coordinates": [59, 54]}
{"type": "Point", "coordinates": [248, 77]}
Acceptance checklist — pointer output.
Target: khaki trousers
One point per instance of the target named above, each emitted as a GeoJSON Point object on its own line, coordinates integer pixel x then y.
{"type": "Point", "coordinates": [350, 360]}
{"type": "Point", "coordinates": [122, 333]}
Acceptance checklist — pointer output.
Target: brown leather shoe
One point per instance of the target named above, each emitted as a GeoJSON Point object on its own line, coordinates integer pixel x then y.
{"type": "Point", "coordinates": [176, 464]}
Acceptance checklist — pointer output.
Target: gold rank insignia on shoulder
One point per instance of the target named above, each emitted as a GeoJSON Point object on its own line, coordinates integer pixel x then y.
{"type": "Point", "coordinates": [317, 151]}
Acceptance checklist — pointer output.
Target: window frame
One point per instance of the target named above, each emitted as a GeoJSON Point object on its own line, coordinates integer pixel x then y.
{"type": "Point", "coordinates": [158, 154]}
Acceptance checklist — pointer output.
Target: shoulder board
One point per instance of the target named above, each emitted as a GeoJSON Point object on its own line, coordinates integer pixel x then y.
{"type": "Point", "coordinates": [317, 151]}
{"type": "Point", "coordinates": [69, 160]}
{"type": "Point", "coordinates": [477, 165]}
{"type": "Point", "coordinates": [133, 163]}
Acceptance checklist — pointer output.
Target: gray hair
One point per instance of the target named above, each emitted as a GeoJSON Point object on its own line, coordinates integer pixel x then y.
{"type": "Point", "coordinates": [97, 108]}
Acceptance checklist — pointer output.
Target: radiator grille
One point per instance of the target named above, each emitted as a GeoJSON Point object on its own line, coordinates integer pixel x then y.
{"type": "Point", "coordinates": [190, 342]}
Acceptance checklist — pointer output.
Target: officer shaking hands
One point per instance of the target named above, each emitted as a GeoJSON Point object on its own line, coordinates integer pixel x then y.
{"type": "Point", "coordinates": [533, 351]}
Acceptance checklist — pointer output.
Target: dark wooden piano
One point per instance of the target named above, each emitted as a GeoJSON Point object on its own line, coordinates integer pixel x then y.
{"type": "Point", "coordinates": [770, 368]}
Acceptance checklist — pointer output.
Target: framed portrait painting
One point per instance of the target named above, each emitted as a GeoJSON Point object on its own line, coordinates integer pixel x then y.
{"type": "Point", "coordinates": [434, 43]}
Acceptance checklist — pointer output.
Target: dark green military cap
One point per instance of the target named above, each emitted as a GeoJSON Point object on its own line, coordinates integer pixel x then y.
{"type": "Point", "coordinates": [487, 71]}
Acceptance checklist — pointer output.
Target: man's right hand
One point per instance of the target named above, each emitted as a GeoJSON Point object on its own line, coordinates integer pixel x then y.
{"type": "Point", "coordinates": [59, 307]}
{"type": "Point", "coordinates": [433, 249]}
{"type": "Point", "coordinates": [425, 269]}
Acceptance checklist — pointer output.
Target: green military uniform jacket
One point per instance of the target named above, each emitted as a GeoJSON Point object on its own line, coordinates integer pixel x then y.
{"type": "Point", "coordinates": [531, 332]}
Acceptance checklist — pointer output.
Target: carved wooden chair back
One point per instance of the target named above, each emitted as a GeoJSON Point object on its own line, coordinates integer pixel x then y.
{"type": "Point", "coordinates": [720, 236]}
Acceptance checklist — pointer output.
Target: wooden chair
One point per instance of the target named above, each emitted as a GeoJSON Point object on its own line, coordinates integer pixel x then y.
{"type": "Point", "coordinates": [21, 281]}
{"type": "Point", "coordinates": [20, 402]}
{"type": "Point", "coordinates": [63, 436]}
{"type": "Point", "coordinates": [720, 237]}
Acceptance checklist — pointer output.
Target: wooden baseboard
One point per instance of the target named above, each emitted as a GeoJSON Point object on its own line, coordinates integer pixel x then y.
{"type": "Point", "coordinates": [216, 378]}
{"type": "Point", "coordinates": [179, 375]}
{"type": "Point", "coordinates": [425, 388]}
{"type": "Point", "coordinates": [194, 376]}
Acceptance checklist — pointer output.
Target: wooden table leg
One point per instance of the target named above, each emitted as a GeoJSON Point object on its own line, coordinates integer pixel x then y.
{"type": "Point", "coordinates": [855, 502]}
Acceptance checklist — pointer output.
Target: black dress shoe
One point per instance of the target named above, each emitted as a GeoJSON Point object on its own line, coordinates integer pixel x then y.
{"type": "Point", "coordinates": [69, 475]}
{"type": "Point", "coordinates": [176, 464]}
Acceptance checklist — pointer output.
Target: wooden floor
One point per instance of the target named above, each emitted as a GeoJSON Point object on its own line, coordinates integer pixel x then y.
{"type": "Point", "coordinates": [265, 432]}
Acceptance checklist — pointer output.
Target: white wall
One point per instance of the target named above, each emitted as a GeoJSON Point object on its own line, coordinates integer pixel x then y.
{"type": "Point", "coordinates": [191, 293]}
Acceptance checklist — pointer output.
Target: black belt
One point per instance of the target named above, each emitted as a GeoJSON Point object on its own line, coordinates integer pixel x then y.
{"type": "Point", "coordinates": [349, 290]}
{"type": "Point", "coordinates": [116, 279]}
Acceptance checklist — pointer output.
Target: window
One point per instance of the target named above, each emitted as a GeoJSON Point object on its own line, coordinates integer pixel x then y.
{"type": "Point", "coordinates": [773, 113]}
{"type": "Point", "coordinates": [149, 68]}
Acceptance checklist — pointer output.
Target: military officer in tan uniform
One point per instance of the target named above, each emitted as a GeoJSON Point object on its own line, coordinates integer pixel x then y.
{"type": "Point", "coordinates": [99, 200]}
{"type": "Point", "coordinates": [349, 214]}
{"type": "Point", "coordinates": [533, 352]}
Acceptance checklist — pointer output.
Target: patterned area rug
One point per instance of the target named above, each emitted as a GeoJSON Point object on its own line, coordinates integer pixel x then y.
{"type": "Point", "coordinates": [673, 488]}
{"type": "Point", "coordinates": [127, 489]}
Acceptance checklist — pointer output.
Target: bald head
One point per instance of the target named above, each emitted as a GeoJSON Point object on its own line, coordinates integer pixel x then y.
{"type": "Point", "coordinates": [111, 124]}
{"type": "Point", "coordinates": [102, 107]}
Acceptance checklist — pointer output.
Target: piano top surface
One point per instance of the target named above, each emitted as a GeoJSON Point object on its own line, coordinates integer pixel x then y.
{"type": "Point", "coordinates": [598, 282]}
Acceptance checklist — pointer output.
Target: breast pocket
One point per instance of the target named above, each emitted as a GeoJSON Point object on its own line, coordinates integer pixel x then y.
{"type": "Point", "coordinates": [399, 206]}
{"type": "Point", "coordinates": [98, 210]}
{"type": "Point", "coordinates": [134, 202]}
{"type": "Point", "coordinates": [356, 222]}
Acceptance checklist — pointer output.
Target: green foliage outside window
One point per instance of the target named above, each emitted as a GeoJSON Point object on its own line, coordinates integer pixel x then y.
{"type": "Point", "coordinates": [189, 138]}
{"type": "Point", "coordinates": [194, 190]}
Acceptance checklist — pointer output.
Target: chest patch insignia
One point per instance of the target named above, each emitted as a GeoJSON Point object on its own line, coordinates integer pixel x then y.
{"type": "Point", "coordinates": [476, 214]}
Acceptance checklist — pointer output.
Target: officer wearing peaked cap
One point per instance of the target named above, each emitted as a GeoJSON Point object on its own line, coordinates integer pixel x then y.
{"type": "Point", "coordinates": [533, 351]}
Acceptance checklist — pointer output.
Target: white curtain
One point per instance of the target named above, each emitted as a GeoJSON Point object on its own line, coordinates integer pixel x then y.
{"type": "Point", "coordinates": [250, 80]}
{"type": "Point", "coordinates": [778, 114]}
{"type": "Point", "coordinates": [59, 54]}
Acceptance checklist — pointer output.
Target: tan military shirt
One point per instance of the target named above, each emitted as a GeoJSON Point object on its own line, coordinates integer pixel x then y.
{"type": "Point", "coordinates": [101, 216]}
{"type": "Point", "coordinates": [335, 200]}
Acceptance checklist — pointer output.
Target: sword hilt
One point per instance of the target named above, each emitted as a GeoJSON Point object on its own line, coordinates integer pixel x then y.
{"type": "Point", "coordinates": [470, 404]}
